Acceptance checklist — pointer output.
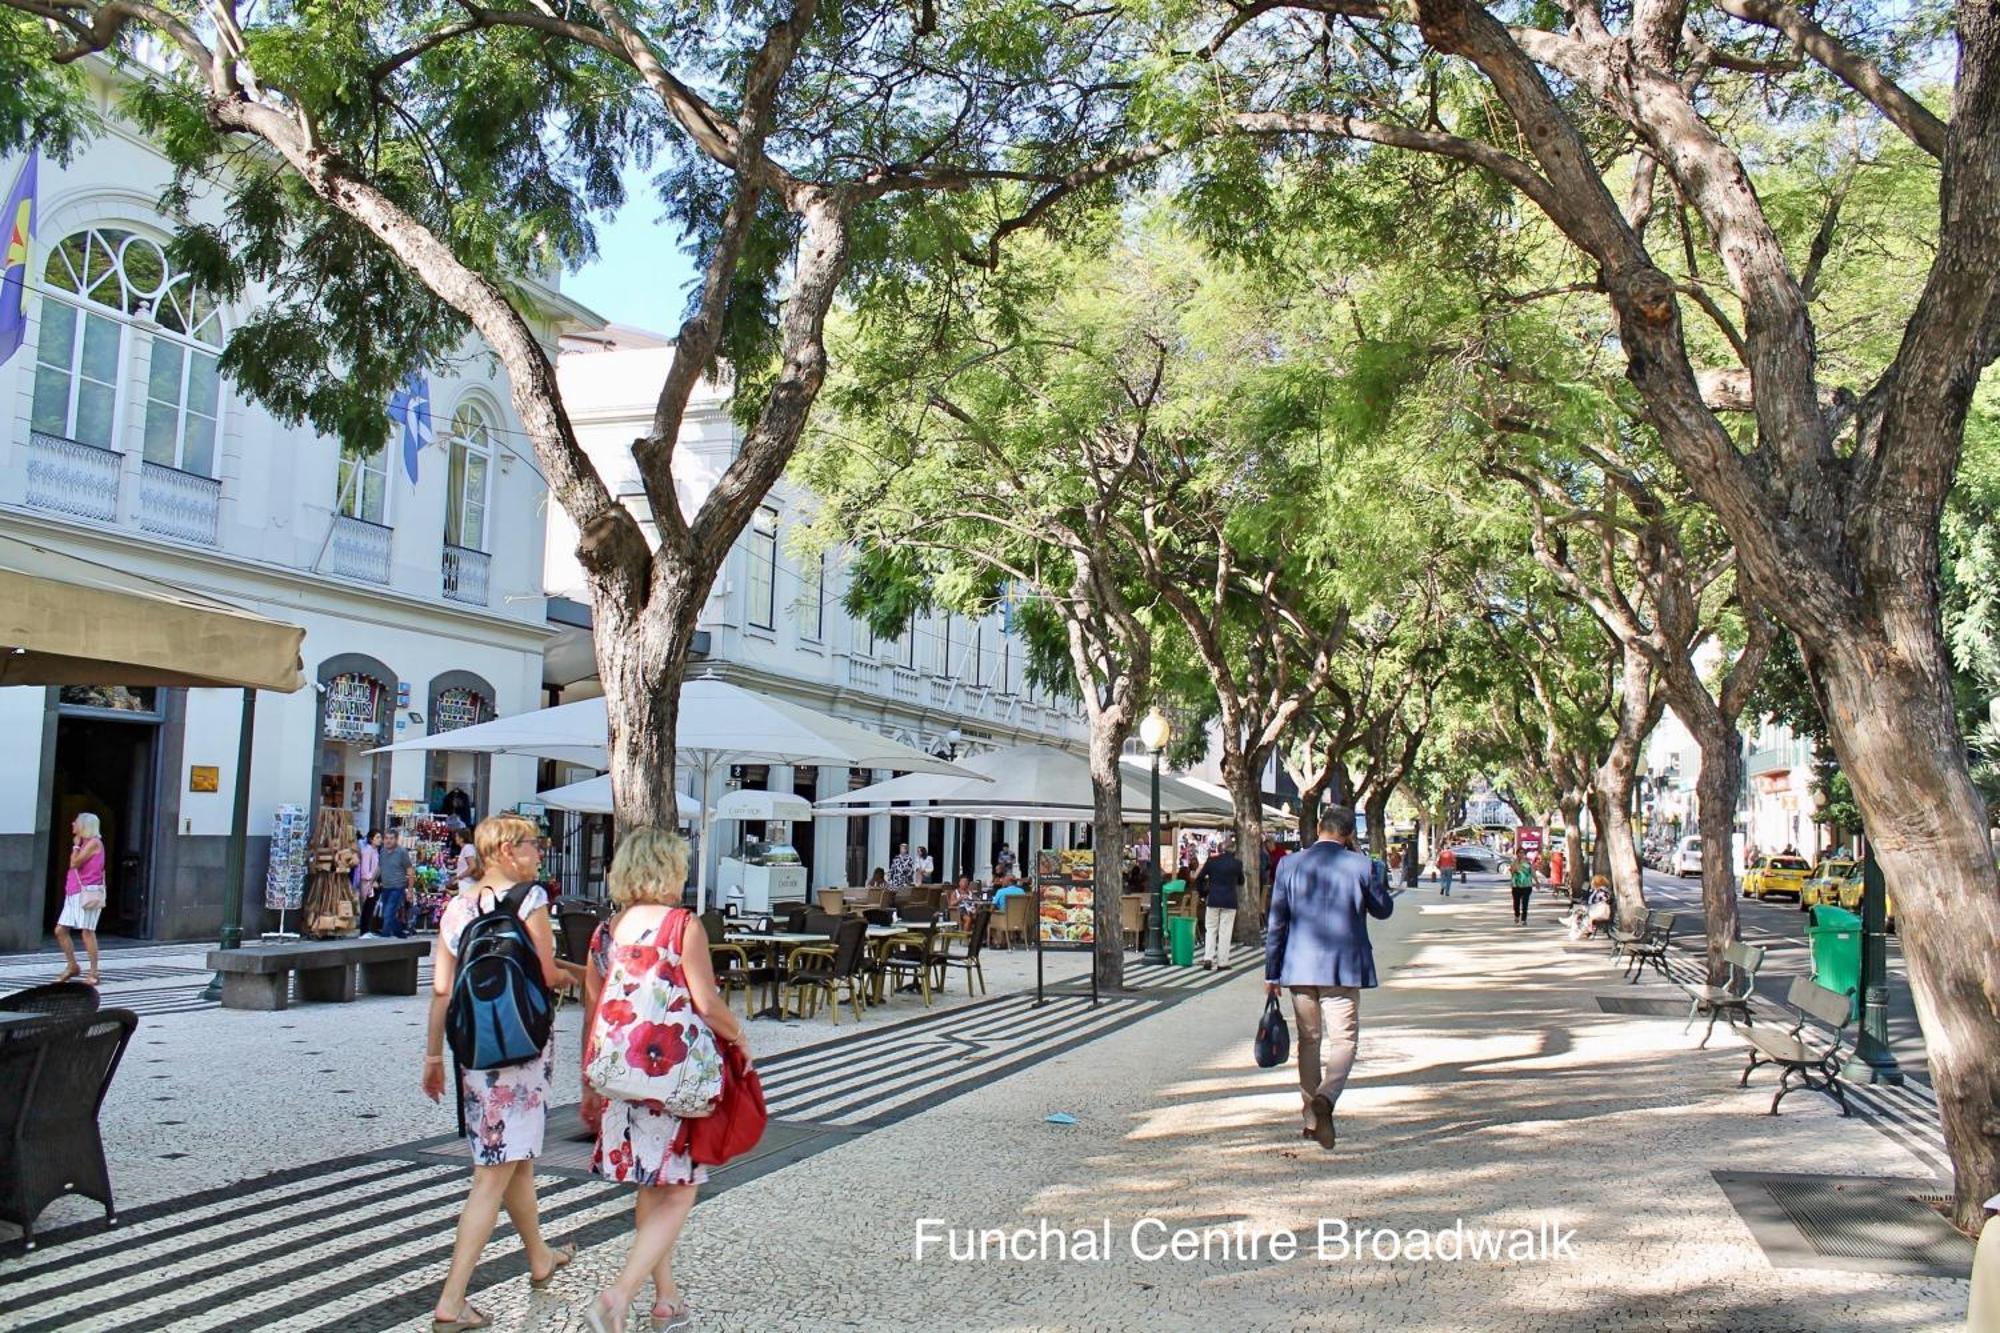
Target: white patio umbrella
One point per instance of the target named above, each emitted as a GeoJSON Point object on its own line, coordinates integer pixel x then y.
{"type": "Point", "coordinates": [1025, 782]}
{"type": "Point", "coordinates": [720, 724]}
{"type": "Point", "coordinates": [592, 796]}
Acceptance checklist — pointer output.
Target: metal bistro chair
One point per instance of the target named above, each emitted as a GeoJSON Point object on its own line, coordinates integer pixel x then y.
{"type": "Point", "coordinates": [52, 1085]}
{"type": "Point", "coordinates": [1740, 962]}
{"type": "Point", "coordinates": [835, 971]}
{"type": "Point", "coordinates": [968, 962]}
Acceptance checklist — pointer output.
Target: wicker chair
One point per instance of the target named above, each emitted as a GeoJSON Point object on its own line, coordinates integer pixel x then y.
{"type": "Point", "coordinates": [1132, 919]}
{"type": "Point", "coordinates": [836, 971]}
{"type": "Point", "coordinates": [832, 901]}
{"type": "Point", "coordinates": [578, 922]}
{"type": "Point", "coordinates": [52, 1084]}
{"type": "Point", "coordinates": [58, 999]}
{"type": "Point", "coordinates": [825, 923]}
{"type": "Point", "coordinates": [968, 962]}
{"type": "Point", "coordinates": [918, 959]}
{"type": "Point", "coordinates": [1017, 918]}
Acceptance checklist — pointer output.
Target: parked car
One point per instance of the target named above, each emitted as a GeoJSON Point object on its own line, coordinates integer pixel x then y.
{"type": "Point", "coordinates": [1850, 898]}
{"type": "Point", "coordinates": [1475, 856]}
{"type": "Point", "coordinates": [1826, 886]}
{"type": "Point", "coordinates": [1774, 875]}
{"type": "Point", "coordinates": [1687, 858]}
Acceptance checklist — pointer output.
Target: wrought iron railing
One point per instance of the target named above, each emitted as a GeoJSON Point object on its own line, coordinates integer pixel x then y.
{"type": "Point", "coordinates": [465, 574]}
{"type": "Point", "coordinates": [358, 549]}
{"type": "Point", "coordinates": [183, 505]}
{"type": "Point", "coordinates": [71, 477]}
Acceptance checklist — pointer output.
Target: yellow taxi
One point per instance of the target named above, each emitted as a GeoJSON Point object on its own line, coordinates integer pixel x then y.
{"type": "Point", "coordinates": [1850, 898]}
{"type": "Point", "coordinates": [1775, 875]}
{"type": "Point", "coordinates": [1826, 887]}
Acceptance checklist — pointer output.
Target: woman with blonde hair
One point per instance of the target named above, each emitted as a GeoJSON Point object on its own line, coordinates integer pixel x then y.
{"type": "Point", "coordinates": [652, 939]}
{"type": "Point", "coordinates": [83, 894]}
{"type": "Point", "coordinates": [506, 1110]}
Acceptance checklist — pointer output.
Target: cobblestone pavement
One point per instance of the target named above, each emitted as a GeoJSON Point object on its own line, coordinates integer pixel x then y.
{"type": "Point", "coordinates": [1492, 1088]}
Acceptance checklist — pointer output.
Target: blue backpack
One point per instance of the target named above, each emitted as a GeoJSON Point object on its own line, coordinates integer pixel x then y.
{"type": "Point", "coordinates": [500, 1012]}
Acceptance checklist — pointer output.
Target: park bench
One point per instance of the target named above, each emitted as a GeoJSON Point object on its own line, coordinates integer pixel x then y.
{"type": "Point", "coordinates": [259, 976]}
{"type": "Point", "coordinates": [1732, 997]}
{"type": "Point", "coordinates": [1624, 937]}
{"type": "Point", "coordinates": [1650, 947]}
{"type": "Point", "coordinates": [1812, 1065]}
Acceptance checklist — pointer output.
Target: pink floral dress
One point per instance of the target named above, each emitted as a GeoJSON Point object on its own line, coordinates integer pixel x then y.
{"type": "Point", "coordinates": [506, 1110]}
{"type": "Point", "coordinates": [635, 1139]}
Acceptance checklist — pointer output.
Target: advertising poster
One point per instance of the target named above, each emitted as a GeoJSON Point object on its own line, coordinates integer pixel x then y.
{"type": "Point", "coordinates": [1067, 911]}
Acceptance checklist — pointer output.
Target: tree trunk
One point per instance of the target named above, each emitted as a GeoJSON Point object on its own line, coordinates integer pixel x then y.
{"type": "Point", "coordinates": [1244, 796]}
{"type": "Point", "coordinates": [1897, 738]}
{"type": "Point", "coordinates": [1108, 729]}
{"type": "Point", "coordinates": [1572, 811]}
{"type": "Point", "coordinates": [1377, 811]}
{"type": "Point", "coordinates": [1717, 791]}
{"type": "Point", "coordinates": [641, 663]}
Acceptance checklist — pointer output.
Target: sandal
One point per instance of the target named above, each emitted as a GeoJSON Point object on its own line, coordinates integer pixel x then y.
{"type": "Point", "coordinates": [678, 1315]}
{"type": "Point", "coordinates": [602, 1318]}
{"type": "Point", "coordinates": [563, 1254]}
{"type": "Point", "coordinates": [468, 1317]}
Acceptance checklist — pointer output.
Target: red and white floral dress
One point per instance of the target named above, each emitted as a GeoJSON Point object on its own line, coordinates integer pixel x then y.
{"type": "Point", "coordinates": [635, 1139]}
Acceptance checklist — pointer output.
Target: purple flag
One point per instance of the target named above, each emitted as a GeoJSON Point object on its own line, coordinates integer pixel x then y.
{"type": "Point", "coordinates": [18, 221]}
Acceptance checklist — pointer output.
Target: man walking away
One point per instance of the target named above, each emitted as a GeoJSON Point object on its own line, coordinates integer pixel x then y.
{"type": "Point", "coordinates": [1219, 878]}
{"type": "Point", "coordinates": [1447, 868]}
{"type": "Point", "coordinates": [394, 868]}
{"type": "Point", "coordinates": [1316, 944]}
{"type": "Point", "coordinates": [1523, 884]}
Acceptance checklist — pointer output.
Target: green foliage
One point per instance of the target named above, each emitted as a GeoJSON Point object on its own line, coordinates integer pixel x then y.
{"type": "Point", "coordinates": [41, 103]}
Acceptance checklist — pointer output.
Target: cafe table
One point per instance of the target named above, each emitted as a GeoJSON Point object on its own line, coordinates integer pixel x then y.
{"type": "Point", "coordinates": [781, 942]}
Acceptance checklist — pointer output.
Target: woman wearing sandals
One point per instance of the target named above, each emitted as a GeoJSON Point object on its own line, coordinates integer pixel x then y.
{"type": "Point", "coordinates": [651, 940]}
{"type": "Point", "coordinates": [83, 894]}
{"type": "Point", "coordinates": [506, 1110]}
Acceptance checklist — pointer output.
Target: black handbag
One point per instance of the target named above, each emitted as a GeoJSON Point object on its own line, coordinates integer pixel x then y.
{"type": "Point", "coordinates": [1274, 1038]}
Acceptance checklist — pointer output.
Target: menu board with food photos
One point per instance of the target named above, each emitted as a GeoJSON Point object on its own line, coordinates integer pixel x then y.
{"type": "Point", "coordinates": [1068, 904]}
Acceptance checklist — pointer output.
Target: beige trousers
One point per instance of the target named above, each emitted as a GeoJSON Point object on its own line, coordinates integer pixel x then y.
{"type": "Point", "coordinates": [1221, 926]}
{"type": "Point", "coordinates": [1329, 1014]}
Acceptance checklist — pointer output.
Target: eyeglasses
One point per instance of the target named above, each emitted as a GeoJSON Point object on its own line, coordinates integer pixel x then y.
{"type": "Point", "coordinates": [525, 842]}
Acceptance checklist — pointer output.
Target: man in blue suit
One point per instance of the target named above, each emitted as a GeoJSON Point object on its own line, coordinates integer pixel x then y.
{"type": "Point", "coordinates": [1316, 944]}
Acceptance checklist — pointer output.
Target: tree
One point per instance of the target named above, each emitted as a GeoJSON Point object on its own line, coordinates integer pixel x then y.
{"type": "Point", "coordinates": [1647, 102]}
{"type": "Point", "coordinates": [410, 163]}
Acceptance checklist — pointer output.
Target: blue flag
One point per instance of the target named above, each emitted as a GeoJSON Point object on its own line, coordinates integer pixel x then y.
{"type": "Point", "coordinates": [410, 408]}
{"type": "Point", "coordinates": [17, 223]}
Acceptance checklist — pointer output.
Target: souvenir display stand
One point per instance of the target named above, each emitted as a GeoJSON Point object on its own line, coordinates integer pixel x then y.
{"type": "Point", "coordinates": [285, 878]}
{"type": "Point", "coordinates": [330, 908]}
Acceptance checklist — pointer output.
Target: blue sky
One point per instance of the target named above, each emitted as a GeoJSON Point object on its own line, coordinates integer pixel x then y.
{"type": "Point", "coordinates": [641, 276]}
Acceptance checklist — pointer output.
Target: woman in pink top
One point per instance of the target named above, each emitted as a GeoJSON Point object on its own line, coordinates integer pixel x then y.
{"type": "Point", "coordinates": [83, 894]}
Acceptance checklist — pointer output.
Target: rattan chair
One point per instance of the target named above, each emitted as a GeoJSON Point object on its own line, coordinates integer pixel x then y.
{"type": "Point", "coordinates": [1017, 918]}
{"type": "Point", "coordinates": [917, 960]}
{"type": "Point", "coordinates": [58, 999]}
{"type": "Point", "coordinates": [836, 971]}
{"type": "Point", "coordinates": [968, 962]}
{"type": "Point", "coordinates": [1132, 919]}
{"type": "Point", "coordinates": [832, 901]}
{"type": "Point", "coordinates": [52, 1085]}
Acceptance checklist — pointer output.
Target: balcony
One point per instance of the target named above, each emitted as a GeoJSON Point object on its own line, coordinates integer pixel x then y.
{"type": "Point", "coordinates": [71, 477]}
{"type": "Point", "coordinates": [182, 505]}
{"type": "Point", "coordinates": [903, 685]}
{"type": "Point", "coordinates": [358, 549]}
{"type": "Point", "coordinates": [465, 574]}
{"type": "Point", "coordinates": [863, 675]}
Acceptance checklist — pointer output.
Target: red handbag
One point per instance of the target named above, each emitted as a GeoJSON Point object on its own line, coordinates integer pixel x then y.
{"type": "Point", "coordinates": [737, 1123]}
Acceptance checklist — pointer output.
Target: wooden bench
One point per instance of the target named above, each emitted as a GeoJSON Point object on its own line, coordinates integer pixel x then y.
{"type": "Point", "coordinates": [1812, 1065]}
{"type": "Point", "coordinates": [1650, 947]}
{"type": "Point", "coordinates": [1732, 997]}
{"type": "Point", "coordinates": [259, 976]}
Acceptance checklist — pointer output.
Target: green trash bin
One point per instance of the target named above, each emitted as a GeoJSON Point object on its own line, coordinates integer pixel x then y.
{"type": "Point", "coordinates": [1180, 940]}
{"type": "Point", "coordinates": [1835, 934]}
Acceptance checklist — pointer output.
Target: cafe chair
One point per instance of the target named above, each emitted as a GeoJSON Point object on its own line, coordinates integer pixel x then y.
{"type": "Point", "coordinates": [836, 971]}
{"type": "Point", "coordinates": [1017, 918]}
{"type": "Point", "coordinates": [1132, 919]}
{"type": "Point", "coordinates": [734, 970]}
{"type": "Point", "coordinates": [52, 1086]}
{"type": "Point", "coordinates": [916, 960]}
{"type": "Point", "coordinates": [57, 999]}
{"type": "Point", "coordinates": [968, 962]}
{"type": "Point", "coordinates": [832, 901]}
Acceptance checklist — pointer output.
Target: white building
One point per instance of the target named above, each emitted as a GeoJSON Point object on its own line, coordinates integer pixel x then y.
{"type": "Point", "coordinates": [774, 622]}
{"type": "Point", "coordinates": [422, 603]}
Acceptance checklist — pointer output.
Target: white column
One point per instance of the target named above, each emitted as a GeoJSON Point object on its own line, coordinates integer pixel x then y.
{"type": "Point", "coordinates": [920, 827]}
{"type": "Point", "coordinates": [982, 850]}
{"type": "Point", "coordinates": [878, 833]}
{"type": "Point", "coordinates": [830, 835]}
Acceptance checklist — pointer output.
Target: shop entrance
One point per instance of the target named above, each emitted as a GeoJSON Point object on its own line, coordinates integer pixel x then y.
{"type": "Point", "coordinates": [107, 764]}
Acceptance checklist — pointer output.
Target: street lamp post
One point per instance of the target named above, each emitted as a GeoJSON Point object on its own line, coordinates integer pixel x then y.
{"type": "Point", "coordinates": [1154, 733]}
{"type": "Point", "coordinates": [1873, 1061]}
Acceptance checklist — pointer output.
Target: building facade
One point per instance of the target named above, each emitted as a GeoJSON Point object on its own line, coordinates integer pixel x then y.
{"type": "Point", "coordinates": [121, 443]}
{"type": "Point", "coordinates": [775, 622]}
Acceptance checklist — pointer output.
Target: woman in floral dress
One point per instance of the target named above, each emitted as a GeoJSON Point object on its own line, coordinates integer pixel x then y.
{"type": "Point", "coordinates": [506, 1110]}
{"type": "Point", "coordinates": [651, 941]}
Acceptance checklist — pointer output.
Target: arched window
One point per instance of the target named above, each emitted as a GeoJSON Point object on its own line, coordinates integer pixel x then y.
{"type": "Point", "coordinates": [471, 460]}
{"type": "Point", "coordinates": [97, 284]}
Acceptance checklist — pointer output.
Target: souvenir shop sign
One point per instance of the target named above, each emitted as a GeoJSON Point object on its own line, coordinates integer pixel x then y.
{"type": "Point", "coordinates": [457, 708]}
{"type": "Point", "coordinates": [353, 709]}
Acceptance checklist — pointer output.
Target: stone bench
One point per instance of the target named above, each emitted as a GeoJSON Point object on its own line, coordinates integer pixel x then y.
{"type": "Point", "coordinates": [258, 976]}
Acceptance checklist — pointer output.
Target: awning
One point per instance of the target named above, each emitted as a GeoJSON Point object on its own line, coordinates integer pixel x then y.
{"type": "Point", "coordinates": [65, 620]}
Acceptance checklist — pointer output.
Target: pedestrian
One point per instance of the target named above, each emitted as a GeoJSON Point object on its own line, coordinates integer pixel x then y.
{"type": "Point", "coordinates": [506, 1110]}
{"type": "Point", "coordinates": [465, 859]}
{"type": "Point", "coordinates": [1220, 877]}
{"type": "Point", "coordinates": [369, 875]}
{"type": "Point", "coordinates": [394, 867]}
{"type": "Point", "coordinates": [1556, 868]}
{"type": "Point", "coordinates": [1447, 870]}
{"type": "Point", "coordinates": [83, 894]}
{"type": "Point", "coordinates": [926, 868]}
{"type": "Point", "coordinates": [1522, 882]}
{"type": "Point", "coordinates": [1316, 944]}
{"type": "Point", "coordinates": [902, 868]}
{"type": "Point", "coordinates": [651, 941]}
